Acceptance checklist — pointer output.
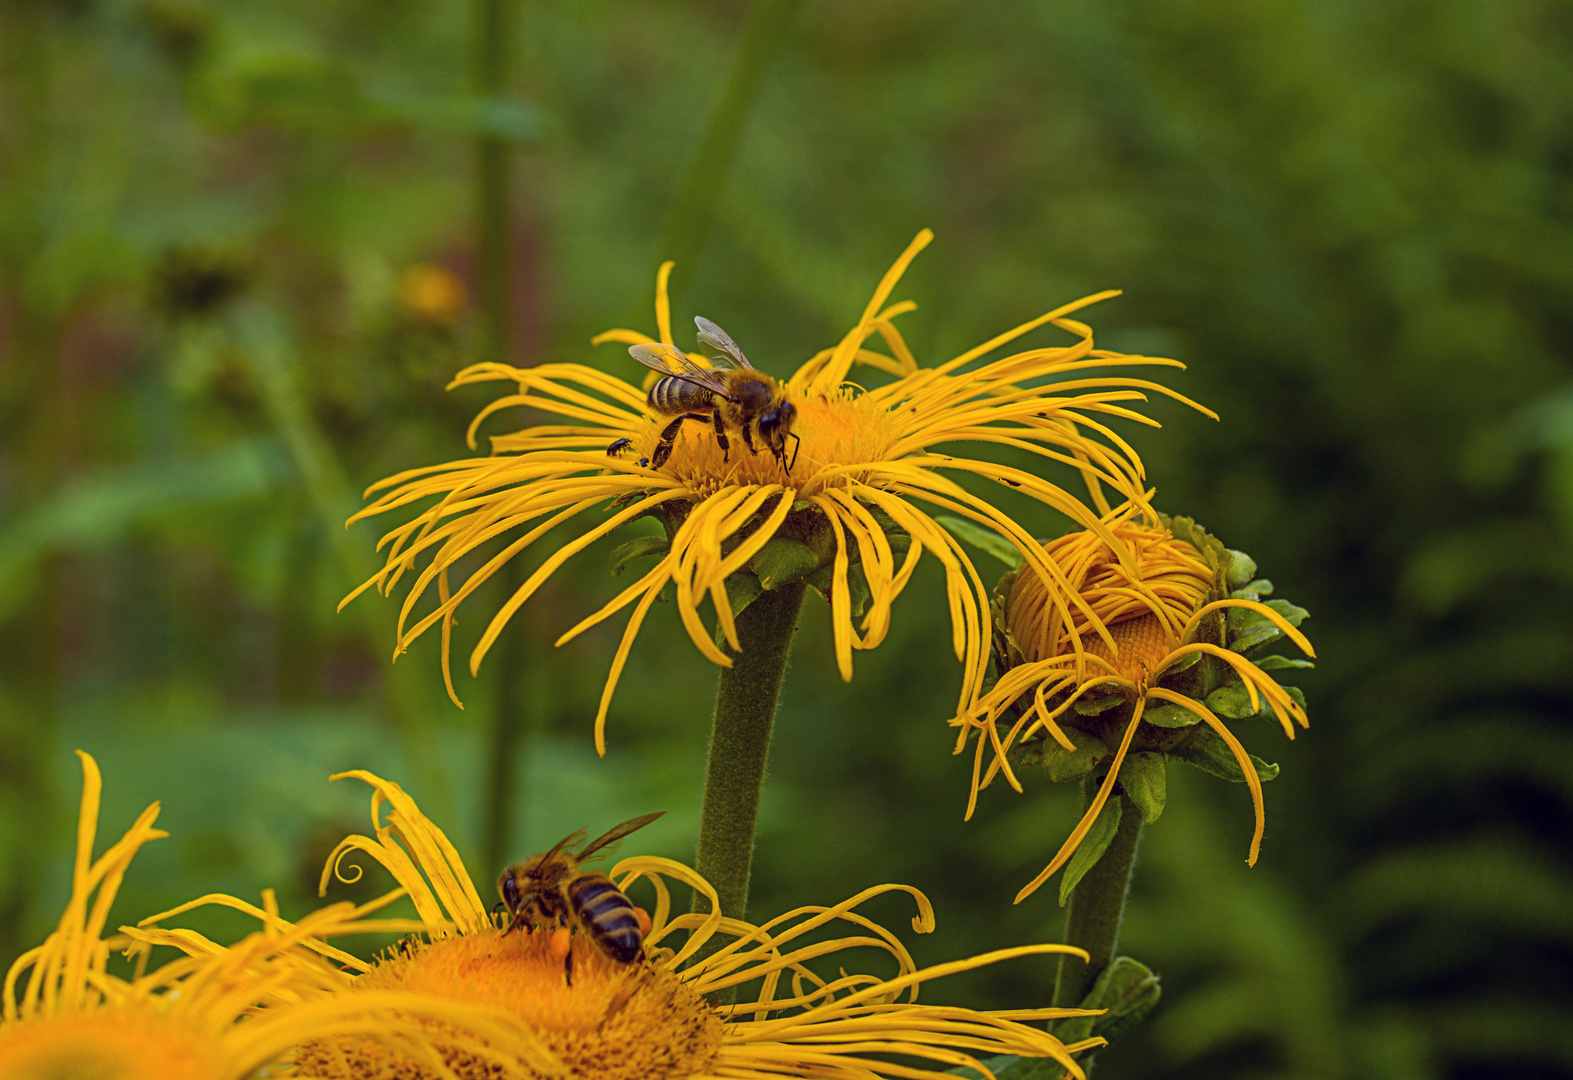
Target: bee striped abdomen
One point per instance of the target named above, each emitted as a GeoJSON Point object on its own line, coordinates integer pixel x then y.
{"type": "Point", "coordinates": [606, 916]}
{"type": "Point", "coordinates": [677, 395]}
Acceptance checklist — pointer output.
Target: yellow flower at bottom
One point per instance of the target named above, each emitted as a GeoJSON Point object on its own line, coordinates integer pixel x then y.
{"type": "Point", "coordinates": [851, 501]}
{"type": "Point", "coordinates": [651, 1019]}
{"type": "Point", "coordinates": [215, 1014]}
{"type": "Point", "coordinates": [1135, 640]}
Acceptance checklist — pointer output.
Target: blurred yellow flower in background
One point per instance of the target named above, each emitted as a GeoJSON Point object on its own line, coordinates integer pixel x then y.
{"type": "Point", "coordinates": [841, 511]}
{"type": "Point", "coordinates": [1135, 641]}
{"type": "Point", "coordinates": [650, 1019]}
{"type": "Point", "coordinates": [431, 293]}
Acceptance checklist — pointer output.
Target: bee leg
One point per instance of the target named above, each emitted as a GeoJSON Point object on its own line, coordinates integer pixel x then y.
{"type": "Point", "coordinates": [663, 448]}
{"type": "Point", "coordinates": [720, 433]}
{"type": "Point", "coordinates": [796, 445]}
{"type": "Point", "coordinates": [748, 439]}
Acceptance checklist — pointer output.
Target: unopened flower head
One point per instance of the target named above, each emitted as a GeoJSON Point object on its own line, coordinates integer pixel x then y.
{"type": "Point", "coordinates": [649, 1019]}
{"type": "Point", "coordinates": [215, 1014]}
{"type": "Point", "coordinates": [836, 489]}
{"type": "Point", "coordinates": [1151, 663]}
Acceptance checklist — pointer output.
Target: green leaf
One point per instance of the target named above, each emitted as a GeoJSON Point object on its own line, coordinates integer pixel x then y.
{"type": "Point", "coordinates": [1232, 701]}
{"type": "Point", "coordinates": [1205, 749]}
{"type": "Point", "coordinates": [1170, 716]}
{"type": "Point", "coordinates": [1273, 663]}
{"type": "Point", "coordinates": [1093, 706]}
{"type": "Point", "coordinates": [742, 589]}
{"type": "Point", "coordinates": [1241, 568]}
{"type": "Point", "coordinates": [1293, 614]}
{"type": "Point", "coordinates": [1146, 781]}
{"type": "Point", "coordinates": [1062, 766]}
{"type": "Point", "coordinates": [1127, 990]}
{"type": "Point", "coordinates": [782, 561]}
{"type": "Point", "coordinates": [1093, 845]}
{"type": "Point", "coordinates": [637, 548]}
{"type": "Point", "coordinates": [1184, 663]}
{"type": "Point", "coordinates": [1295, 694]}
{"type": "Point", "coordinates": [1011, 1067]}
{"type": "Point", "coordinates": [983, 539]}
{"type": "Point", "coordinates": [823, 579]}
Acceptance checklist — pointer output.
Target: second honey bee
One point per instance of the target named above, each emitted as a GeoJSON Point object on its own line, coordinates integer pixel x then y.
{"type": "Point", "coordinates": [549, 889]}
{"type": "Point", "coordinates": [733, 395]}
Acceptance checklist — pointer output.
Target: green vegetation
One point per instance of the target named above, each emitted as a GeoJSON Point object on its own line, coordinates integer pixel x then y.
{"type": "Point", "coordinates": [1354, 221]}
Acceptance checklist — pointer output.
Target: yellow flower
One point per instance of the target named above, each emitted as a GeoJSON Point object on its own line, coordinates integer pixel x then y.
{"type": "Point", "coordinates": [1135, 640]}
{"type": "Point", "coordinates": [650, 1020]}
{"type": "Point", "coordinates": [431, 293]}
{"type": "Point", "coordinates": [215, 1014]}
{"type": "Point", "coordinates": [848, 494]}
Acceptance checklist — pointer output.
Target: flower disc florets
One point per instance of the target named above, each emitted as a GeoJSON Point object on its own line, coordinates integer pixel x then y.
{"type": "Point", "coordinates": [611, 1021]}
{"type": "Point", "coordinates": [851, 494]}
{"type": "Point", "coordinates": [1147, 666]}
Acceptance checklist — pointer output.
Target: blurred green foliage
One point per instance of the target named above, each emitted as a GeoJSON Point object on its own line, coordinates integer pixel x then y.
{"type": "Point", "coordinates": [1353, 219]}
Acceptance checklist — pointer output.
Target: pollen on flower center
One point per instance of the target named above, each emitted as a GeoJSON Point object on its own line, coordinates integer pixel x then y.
{"type": "Point", "coordinates": [109, 1044]}
{"type": "Point", "coordinates": [614, 1022]}
{"type": "Point", "coordinates": [1142, 647]}
{"type": "Point", "coordinates": [842, 428]}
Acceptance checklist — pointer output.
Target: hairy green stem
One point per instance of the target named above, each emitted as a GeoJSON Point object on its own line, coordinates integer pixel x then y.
{"type": "Point", "coordinates": [745, 709]}
{"type": "Point", "coordinates": [1097, 906]}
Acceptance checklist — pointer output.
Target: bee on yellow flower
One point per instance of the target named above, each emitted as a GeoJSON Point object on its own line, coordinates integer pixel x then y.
{"type": "Point", "coordinates": [848, 509]}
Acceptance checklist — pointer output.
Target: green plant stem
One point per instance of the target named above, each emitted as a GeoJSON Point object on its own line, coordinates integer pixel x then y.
{"type": "Point", "coordinates": [1097, 906]}
{"type": "Point", "coordinates": [490, 32]}
{"type": "Point", "coordinates": [269, 348]}
{"type": "Point", "coordinates": [745, 709]}
{"type": "Point", "coordinates": [504, 788]}
{"type": "Point", "coordinates": [493, 221]}
{"type": "Point", "coordinates": [693, 208]}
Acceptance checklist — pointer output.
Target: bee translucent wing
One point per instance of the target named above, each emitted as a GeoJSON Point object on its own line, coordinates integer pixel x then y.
{"type": "Point", "coordinates": [617, 832]}
{"type": "Point", "coordinates": [713, 337]}
{"type": "Point", "coordinates": [575, 837]}
{"type": "Point", "coordinates": [669, 361]}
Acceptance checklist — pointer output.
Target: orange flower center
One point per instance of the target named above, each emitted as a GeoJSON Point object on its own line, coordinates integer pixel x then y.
{"type": "Point", "coordinates": [612, 1021]}
{"type": "Point", "coordinates": [109, 1044]}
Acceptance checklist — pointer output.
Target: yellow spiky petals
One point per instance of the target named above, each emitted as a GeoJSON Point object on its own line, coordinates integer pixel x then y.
{"type": "Point", "coordinates": [217, 1013]}
{"type": "Point", "coordinates": [863, 468]}
{"type": "Point", "coordinates": [1141, 601]}
{"type": "Point", "coordinates": [650, 1019]}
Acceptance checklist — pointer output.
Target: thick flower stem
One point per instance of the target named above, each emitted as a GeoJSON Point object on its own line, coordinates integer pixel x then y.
{"type": "Point", "coordinates": [1097, 906]}
{"type": "Point", "coordinates": [745, 709]}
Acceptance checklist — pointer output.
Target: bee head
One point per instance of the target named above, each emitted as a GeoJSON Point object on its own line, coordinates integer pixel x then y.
{"type": "Point", "coordinates": [508, 887]}
{"type": "Point", "coordinates": [775, 424]}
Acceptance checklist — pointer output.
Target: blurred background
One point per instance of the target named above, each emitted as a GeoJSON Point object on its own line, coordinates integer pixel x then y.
{"type": "Point", "coordinates": [244, 244]}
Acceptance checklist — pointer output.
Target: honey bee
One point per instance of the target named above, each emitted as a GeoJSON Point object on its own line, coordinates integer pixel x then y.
{"type": "Point", "coordinates": [550, 888]}
{"type": "Point", "coordinates": [732, 395]}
